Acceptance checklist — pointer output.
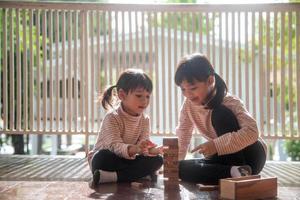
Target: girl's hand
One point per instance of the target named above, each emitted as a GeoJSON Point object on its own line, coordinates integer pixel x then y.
{"type": "Point", "coordinates": [145, 146]}
{"type": "Point", "coordinates": [207, 149]}
{"type": "Point", "coordinates": [133, 150]}
{"type": "Point", "coordinates": [157, 150]}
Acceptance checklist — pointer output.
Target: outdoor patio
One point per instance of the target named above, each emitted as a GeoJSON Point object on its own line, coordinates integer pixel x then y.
{"type": "Point", "coordinates": [60, 177]}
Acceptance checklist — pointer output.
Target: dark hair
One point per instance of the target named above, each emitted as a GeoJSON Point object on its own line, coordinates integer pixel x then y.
{"type": "Point", "coordinates": [128, 81]}
{"type": "Point", "coordinates": [197, 67]}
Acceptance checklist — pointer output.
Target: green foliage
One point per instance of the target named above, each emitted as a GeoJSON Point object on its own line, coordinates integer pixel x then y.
{"type": "Point", "coordinates": [293, 149]}
{"type": "Point", "coordinates": [271, 151]}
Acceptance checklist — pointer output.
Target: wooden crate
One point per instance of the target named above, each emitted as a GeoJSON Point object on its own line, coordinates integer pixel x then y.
{"type": "Point", "coordinates": [248, 187]}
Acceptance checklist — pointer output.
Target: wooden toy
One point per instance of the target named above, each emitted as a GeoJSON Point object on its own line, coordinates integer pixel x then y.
{"type": "Point", "coordinates": [137, 185]}
{"type": "Point", "coordinates": [171, 163]}
{"type": "Point", "coordinates": [248, 187]}
{"type": "Point", "coordinates": [207, 187]}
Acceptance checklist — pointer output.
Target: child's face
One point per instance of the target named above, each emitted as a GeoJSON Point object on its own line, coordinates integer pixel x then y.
{"type": "Point", "coordinates": [136, 101]}
{"type": "Point", "coordinates": [197, 91]}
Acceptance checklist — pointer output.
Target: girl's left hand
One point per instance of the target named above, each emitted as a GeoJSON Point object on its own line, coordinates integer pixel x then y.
{"type": "Point", "coordinates": [207, 149]}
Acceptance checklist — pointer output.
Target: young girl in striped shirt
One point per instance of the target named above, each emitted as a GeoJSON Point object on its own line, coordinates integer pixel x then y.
{"type": "Point", "coordinates": [233, 146]}
{"type": "Point", "coordinates": [123, 151]}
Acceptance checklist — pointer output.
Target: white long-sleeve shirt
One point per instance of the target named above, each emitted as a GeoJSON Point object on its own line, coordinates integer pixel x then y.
{"type": "Point", "coordinates": [196, 116]}
{"type": "Point", "coordinates": [119, 130]}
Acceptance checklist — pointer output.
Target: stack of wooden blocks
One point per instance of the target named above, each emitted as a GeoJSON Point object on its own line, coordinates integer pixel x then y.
{"type": "Point", "coordinates": [171, 176]}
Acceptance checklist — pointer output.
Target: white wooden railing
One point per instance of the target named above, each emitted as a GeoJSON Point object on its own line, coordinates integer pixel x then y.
{"type": "Point", "coordinates": [254, 47]}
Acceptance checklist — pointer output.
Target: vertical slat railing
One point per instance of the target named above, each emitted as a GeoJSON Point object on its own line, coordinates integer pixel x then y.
{"type": "Point", "coordinates": [282, 70]}
{"type": "Point", "coordinates": [261, 72]}
{"type": "Point", "coordinates": [253, 66]}
{"type": "Point", "coordinates": [246, 64]}
{"type": "Point", "coordinates": [69, 71]}
{"type": "Point", "coordinates": [57, 82]}
{"type": "Point", "coordinates": [18, 71]}
{"type": "Point", "coordinates": [50, 82]}
{"type": "Point", "coordinates": [44, 68]}
{"type": "Point", "coordinates": [51, 103]}
{"type": "Point", "coordinates": [298, 71]}
{"type": "Point", "coordinates": [11, 74]}
{"type": "Point", "coordinates": [25, 71]}
{"type": "Point", "coordinates": [268, 74]}
{"type": "Point", "coordinates": [290, 76]}
{"type": "Point", "coordinates": [275, 115]}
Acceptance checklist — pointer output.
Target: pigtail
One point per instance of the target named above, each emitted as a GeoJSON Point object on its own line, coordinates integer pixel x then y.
{"type": "Point", "coordinates": [107, 97]}
{"type": "Point", "coordinates": [221, 91]}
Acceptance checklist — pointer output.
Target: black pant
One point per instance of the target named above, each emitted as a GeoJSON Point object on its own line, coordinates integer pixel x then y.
{"type": "Point", "coordinates": [210, 170]}
{"type": "Point", "coordinates": [127, 170]}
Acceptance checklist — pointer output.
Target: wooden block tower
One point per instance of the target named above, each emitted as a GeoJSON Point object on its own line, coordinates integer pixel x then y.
{"type": "Point", "coordinates": [171, 176]}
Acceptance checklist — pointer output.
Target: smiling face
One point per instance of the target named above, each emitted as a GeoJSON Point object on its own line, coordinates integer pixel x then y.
{"type": "Point", "coordinates": [135, 101]}
{"type": "Point", "coordinates": [197, 91]}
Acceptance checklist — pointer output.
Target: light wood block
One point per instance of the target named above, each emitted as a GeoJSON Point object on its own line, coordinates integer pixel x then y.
{"type": "Point", "coordinates": [171, 162]}
{"type": "Point", "coordinates": [207, 187]}
{"type": "Point", "coordinates": [171, 155]}
{"type": "Point", "coordinates": [170, 141]}
{"type": "Point", "coordinates": [171, 184]}
{"type": "Point", "coordinates": [170, 151]}
{"type": "Point", "coordinates": [248, 188]}
{"type": "Point", "coordinates": [137, 185]}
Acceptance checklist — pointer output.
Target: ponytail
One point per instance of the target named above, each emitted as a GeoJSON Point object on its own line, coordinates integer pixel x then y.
{"type": "Point", "coordinates": [107, 97]}
{"type": "Point", "coordinates": [221, 91]}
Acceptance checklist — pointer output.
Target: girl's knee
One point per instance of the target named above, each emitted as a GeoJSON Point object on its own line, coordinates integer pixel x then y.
{"type": "Point", "coordinates": [99, 158]}
{"type": "Point", "coordinates": [158, 161]}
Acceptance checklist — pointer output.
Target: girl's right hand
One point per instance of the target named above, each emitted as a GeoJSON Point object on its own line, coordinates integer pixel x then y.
{"type": "Point", "coordinates": [145, 146]}
{"type": "Point", "coordinates": [133, 150]}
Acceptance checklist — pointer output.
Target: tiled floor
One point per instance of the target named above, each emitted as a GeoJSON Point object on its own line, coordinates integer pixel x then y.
{"type": "Point", "coordinates": [43, 177]}
{"type": "Point", "coordinates": [40, 190]}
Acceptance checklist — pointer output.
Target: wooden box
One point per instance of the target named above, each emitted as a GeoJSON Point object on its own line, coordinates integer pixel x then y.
{"type": "Point", "coordinates": [248, 187]}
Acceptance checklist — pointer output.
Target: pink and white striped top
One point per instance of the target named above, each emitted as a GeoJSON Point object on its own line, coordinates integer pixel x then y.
{"type": "Point", "coordinates": [196, 116]}
{"type": "Point", "coordinates": [119, 130]}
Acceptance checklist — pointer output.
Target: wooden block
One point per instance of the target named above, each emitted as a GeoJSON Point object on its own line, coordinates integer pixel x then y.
{"type": "Point", "coordinates": [207, 187]}
{"type": "Point", "coordinates": [171, 162]}
{"type": "Point", "coordinates": [171, 175]}
{"type": "Point", "coordinates": [137, 185]}
{"type": "Point", "coordinates": [171, 182]}
{"type": "Point", "coordinates": [171, 171]}
{"type": "Point", "coordinates": [172, 148]}
{"type": "Point", "coordinates": [170, 151]}
{"type": "Point", "coordinates": [171, 156]}
{"type": "Point", "coordinates": [174, 176]}
{"type": "Point", "coordinates": [172, 179]}
{"type": "Point", "coordinates": [168, 165]}
{"type": "Point", "coordinates": [253, 188]}
{"type": "Point", "coordinates": [171, 185]}
{"type": "Point", "coordinates": [170, 141]}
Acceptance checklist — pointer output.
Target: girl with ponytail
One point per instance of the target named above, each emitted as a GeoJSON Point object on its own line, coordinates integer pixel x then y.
{"type": "Point", "coordinates": [234, 147]}
{"type": "Point", "coordinates": [123, 151]}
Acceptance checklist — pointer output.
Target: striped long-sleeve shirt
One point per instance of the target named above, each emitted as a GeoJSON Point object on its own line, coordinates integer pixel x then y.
{"type": "Point", "coordinates": [196, 116]}
{"type": "Point", "coordinates": [119, 130]}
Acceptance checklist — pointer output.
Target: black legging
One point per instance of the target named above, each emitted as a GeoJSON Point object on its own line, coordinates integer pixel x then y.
{"type": "Point", "coordinates": [127, 170]}
{"type": "Point", "coordinates": [210, 170]}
